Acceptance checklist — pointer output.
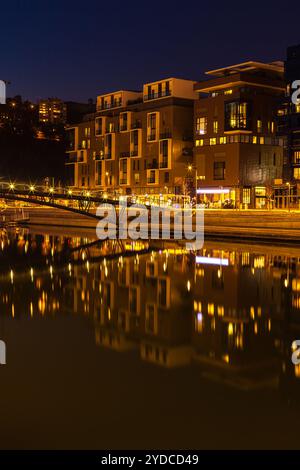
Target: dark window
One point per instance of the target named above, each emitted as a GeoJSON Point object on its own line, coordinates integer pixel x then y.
{"type": "Point", "coordinates": [219, 170]}
{"type": "Point", "coordinates": [167, 177]}
{"type": "Point", "coordinates": [70, 139]}
{"type": "Point", "coordinates": [167, 88]}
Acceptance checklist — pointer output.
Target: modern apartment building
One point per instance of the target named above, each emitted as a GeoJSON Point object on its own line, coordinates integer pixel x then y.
{"type": "Point", "coordinates": [137, 142]}
{"type": "Point", "coordinates": [237, 153]}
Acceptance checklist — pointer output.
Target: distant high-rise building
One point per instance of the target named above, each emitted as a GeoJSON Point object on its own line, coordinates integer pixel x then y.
{"type": "Point", "coordinates": [52, 111]}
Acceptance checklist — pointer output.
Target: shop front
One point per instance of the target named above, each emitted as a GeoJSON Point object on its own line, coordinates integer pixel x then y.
{"type": "Point", "coordinates": [217, 198]}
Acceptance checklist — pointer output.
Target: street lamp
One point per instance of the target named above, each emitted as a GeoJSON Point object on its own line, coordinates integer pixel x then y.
{"type": "Point", "coordinates": [191, 168]}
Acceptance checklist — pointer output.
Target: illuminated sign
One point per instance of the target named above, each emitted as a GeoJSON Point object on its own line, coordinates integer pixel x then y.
{"type": "Point", "coordinates": [213, 191]}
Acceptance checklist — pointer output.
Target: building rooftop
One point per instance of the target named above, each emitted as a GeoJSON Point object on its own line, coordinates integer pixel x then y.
{"type": "Point", "coordinates": [276, 66]}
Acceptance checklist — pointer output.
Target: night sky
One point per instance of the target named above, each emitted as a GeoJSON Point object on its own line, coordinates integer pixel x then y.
{"type": "Point", "coordinates": [78, 49]}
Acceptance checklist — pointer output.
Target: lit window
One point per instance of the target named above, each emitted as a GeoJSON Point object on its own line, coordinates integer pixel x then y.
{"type": "Point", "coordinates": [259, 126]}
{"type": "Point", "coordinates": [220, 311]}
{"type": "Point", "coordinates": [212, 141]}
{"type": "Point", "coordinates": [296, 158]}
{"type": "Point", "coordinates": [201, 125]}
{"type": "Point", "coordinates": [236, 116]}
{"type": "Point", "coordinates": [223, 140]}
{"type": "Point", "coordinates": [254, 139]}
{"type": "Point", "coordinates": [228, 92]}
{"type": "Point", "coordinates": [199, 142]}
{"type": "Point", "coordinates": [297, 108]}
{"type": "Point", "coordinates": [297, 173]}
{"type": "Point", "coordinates": [210, 309]}
{"type": "Point", "coordinates": [215, 127]}
{"type": "Point", "coordinates": [261, 140]}
{"type": "Point", "coordinates": [260, 191]}
{"type": "Point", "coordinates": [246, 195]}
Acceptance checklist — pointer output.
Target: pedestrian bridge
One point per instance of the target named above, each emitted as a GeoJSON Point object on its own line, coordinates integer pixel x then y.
{"type": "Point", "coordinates": [80, 202]}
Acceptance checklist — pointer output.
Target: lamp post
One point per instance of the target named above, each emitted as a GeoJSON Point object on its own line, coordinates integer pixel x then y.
{"type": "Point", "coordinates": [190, 168]}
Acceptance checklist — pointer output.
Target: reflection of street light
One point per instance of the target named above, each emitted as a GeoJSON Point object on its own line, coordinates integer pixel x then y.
{"type": "Point", "coordinates": [289, 194]}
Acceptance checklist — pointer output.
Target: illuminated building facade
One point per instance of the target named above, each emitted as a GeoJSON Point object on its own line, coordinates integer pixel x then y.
{"type": "Point", "coordinates": [289, 121]}
{"type": "Point", "coordinates": [237, 153]}
{"type": "Point", "coordinates": [136, 142]}
{"type": "Point", "coordinates": [52, 111]}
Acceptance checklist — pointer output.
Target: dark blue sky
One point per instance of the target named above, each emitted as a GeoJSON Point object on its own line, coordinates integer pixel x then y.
{"type": "Point", "coordinates": [78, 49]}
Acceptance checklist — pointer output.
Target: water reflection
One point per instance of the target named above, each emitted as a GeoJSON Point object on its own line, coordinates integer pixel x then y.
{"type": "Point", "coordinates": [232, 311]}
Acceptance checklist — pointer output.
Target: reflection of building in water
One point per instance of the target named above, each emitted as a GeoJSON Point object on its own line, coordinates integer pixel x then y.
{"type": "Point", "coordinates": [236, 304]}
{"type": "Point", "coordinates": [232, 312]}
{"type": "Point", "coordinates": [131, 300]}
{"type": "Point", "coordinates": [222, 309]}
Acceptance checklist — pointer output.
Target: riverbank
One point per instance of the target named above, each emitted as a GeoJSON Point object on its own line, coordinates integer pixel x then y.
{"type": "Point", "coordinates": [253, 225]}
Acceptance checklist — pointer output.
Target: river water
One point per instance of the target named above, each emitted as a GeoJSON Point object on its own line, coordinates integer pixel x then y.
{"type": "Point", "coordinates": [135, 346]}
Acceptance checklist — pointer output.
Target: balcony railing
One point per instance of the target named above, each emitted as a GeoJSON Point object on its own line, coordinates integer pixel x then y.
{"type": "Point", "coordinates": [165, 135]}
{"type": "Point", "coordinates": [154, 96]}
{"type": "Point", "coordinates": [151, 137]}
{"type": "Point", "coordinates": [152, 166]}
{"type": "Point", "coordinates": [134, 153]}
{"type": "Point", "coordinates": [123, 180]}
{"type": "Point", "coordinates": [151, 180]}
{"type": "Point", "coordinates": [124, 127]}
{"type": "Point", "coordinates": [108, 156]}
{"type": "Point", "coordinates": [124, 154]}
{"type": "Point", "coordinates": [136, 125]}
{"type": "Point", "coordinates": [113, 104]}
{"type": "Point", "coordinates": [71, 159]}
{"type": "Point", "coordinates": [163, 164]}
{"type": "Point", "coordinates": [111, 130]}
